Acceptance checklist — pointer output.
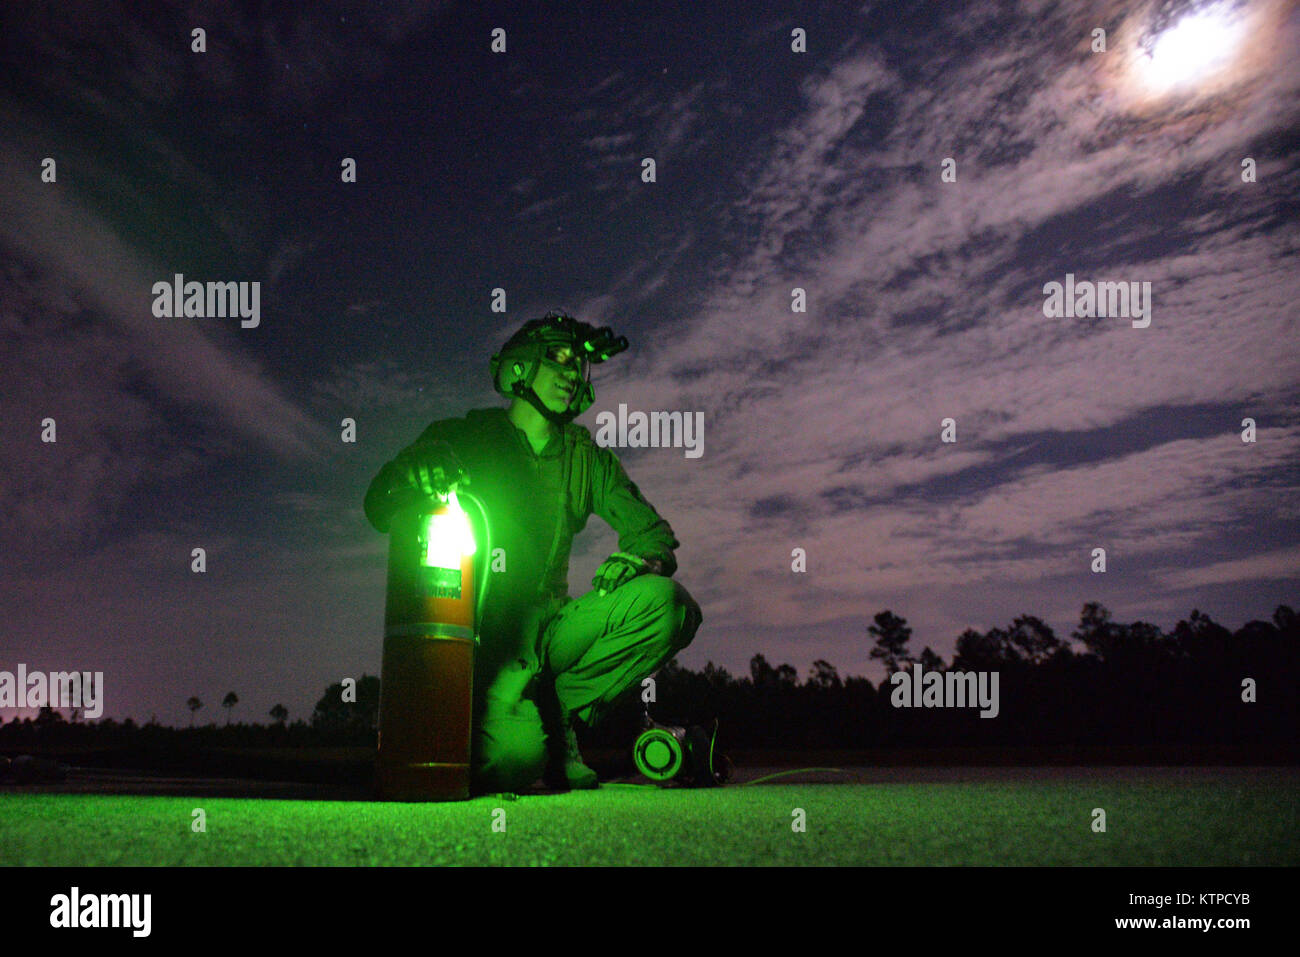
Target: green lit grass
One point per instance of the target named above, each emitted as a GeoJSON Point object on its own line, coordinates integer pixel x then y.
{"type": "Point", "coordinates": [1233, 820]}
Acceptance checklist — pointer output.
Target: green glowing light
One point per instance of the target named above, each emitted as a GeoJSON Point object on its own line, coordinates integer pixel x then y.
{"type": "Point", "coordinates": [448, 537]}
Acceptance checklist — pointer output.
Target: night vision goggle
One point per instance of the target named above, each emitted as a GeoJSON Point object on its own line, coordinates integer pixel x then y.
{"type": "Point", "coordinates": [563, 358]}
{"type": "Point", "coordinates": [587, 344]}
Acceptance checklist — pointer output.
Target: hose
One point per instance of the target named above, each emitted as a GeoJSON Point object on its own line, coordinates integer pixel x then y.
{"type": "Point", "coordinates": [487, 559]}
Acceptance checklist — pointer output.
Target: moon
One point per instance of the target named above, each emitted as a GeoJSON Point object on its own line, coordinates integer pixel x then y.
{"type": "Point", "coordinates": [1194, 48]}
{"type": "Point", "coordinates": [1206, 63]}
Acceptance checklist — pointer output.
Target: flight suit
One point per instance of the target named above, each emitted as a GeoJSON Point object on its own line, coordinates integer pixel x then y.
{"type": "Point", "coordinates": [537, 645]}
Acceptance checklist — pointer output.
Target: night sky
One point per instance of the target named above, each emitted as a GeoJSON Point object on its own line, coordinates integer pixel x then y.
{"type": "Point", "coordinates": [522, 170]}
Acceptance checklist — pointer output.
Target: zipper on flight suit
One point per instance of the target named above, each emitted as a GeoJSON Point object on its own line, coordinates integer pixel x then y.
{"type": "Point", "coordinates": [543, 593]}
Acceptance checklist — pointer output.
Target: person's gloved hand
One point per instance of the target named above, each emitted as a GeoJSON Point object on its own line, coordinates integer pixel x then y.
{"type": "Point", "coordinates": [619, 568]}
{"type": "Point", "coordinates": [431, 468]}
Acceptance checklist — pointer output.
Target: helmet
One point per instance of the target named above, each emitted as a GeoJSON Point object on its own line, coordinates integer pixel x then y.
{"type": "Point", "coordinates": [515, 367]}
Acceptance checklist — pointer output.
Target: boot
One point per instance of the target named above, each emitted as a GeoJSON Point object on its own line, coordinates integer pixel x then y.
{"type": "Point", "coordinates": [565, 769]}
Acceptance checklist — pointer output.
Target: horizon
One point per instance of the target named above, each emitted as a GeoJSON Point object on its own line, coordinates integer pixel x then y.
{"type": "Point", "coordinates": [802, 676]}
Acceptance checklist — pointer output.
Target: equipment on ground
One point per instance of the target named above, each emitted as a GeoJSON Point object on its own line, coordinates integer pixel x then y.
{"type": "Point", "coordinates": [680, 755]}
{"type": "Point", "coordinates": [431, 620]}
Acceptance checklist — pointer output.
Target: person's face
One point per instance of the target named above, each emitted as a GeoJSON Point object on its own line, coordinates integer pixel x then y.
{"type": "Point", "coordinates": [558, 378]}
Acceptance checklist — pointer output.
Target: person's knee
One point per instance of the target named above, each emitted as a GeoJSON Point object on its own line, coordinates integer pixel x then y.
{"type": "Point", "coordinates": [688, 616]}
{"type": "Point", "coordinates": [678, 613]}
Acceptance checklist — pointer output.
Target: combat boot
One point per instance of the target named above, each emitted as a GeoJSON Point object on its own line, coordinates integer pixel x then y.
{"type": "Point", "coordinates": [565, 769]}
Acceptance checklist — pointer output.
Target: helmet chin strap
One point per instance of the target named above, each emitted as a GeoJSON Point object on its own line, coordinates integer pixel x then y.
{"type": "Point", "coordinates": [532, 398]}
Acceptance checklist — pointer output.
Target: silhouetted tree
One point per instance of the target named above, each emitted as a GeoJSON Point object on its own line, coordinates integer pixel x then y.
{"type": "Point", "coordinates": [764, 675]}
{"type": "Point", "coordinates": [716, 676]}
{"type": "Point", "coordinates": [1032, 640]}
{"type": "Point", "coordinates": [228, 702]}
{"type": "Point", "coordinates": [823, 675]}
{"type": "Point", "coordinates": [280, 714]}
{"type": "Point", "coordinates": [761, 673]}
{"type": "Point", "coordinates": [931, 661]}
{"type": "Point", "coordinates": [332, 713]}
{"type": "Point", "coordinates": [1097, 632]}
{"type": "Point", "coordinates": [979, 652]}
{"type": "Point", "coordinates": [892, 634]}
{"type": "Point", "coordinates": [1287, 621]}
{"type": "Point", "coordinates": [1202, 638]}
{"type": "Point", "coordinates": [194, 704]}
{"type": "Point", "coordinates": [1257, 631]}
{"type": "Point", "coordinates": [1144, 639]}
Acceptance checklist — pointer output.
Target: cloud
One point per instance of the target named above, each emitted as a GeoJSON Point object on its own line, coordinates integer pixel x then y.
{"type": "Point", "coordinates": [1278, 565]}
{"type": "Point", "coordinates": [542, 206]}
{"type": "Point", "coordinates": [926, 302]}
{"type": "Point", "coordinates": [60, 365]}
{"type": "Point", "coordinates": [138, 400]}
{"type": "Point", "coordinates": [44, 226]}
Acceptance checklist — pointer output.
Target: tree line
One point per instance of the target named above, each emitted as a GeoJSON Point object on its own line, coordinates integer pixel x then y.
{"type": "Point", "coordinates": [1110, 684]}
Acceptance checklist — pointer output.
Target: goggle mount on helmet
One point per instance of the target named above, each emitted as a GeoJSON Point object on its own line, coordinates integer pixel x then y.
{"type": "Point", "coordinates": [538, 343]}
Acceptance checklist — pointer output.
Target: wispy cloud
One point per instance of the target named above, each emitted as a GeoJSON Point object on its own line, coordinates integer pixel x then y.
{"type": "Point", "coordinates": [925, 302]}
{"type": "Point", "coordinates": [1280, 564]}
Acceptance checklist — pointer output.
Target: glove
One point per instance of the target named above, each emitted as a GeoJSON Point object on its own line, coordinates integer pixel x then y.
{"type": "Point", "coordinates": [431, 468]}
{"type": "Point", "coordinates": [619, 568]}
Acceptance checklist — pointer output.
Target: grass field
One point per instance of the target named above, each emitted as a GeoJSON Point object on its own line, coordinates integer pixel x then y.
{"type": "Point", "coordinates": [1153, 817]}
